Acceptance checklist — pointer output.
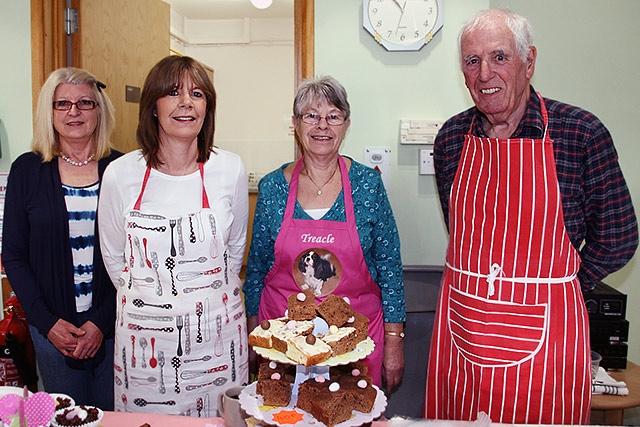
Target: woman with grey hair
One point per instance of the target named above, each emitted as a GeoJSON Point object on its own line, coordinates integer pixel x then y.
{"type": "Point", "coordinates": [50, 241]}
{"type": "Point", "coordinates": [324, 223]}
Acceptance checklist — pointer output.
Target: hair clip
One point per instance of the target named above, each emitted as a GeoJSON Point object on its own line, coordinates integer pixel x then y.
{"type": "Point", "coordinates": [100, 85]}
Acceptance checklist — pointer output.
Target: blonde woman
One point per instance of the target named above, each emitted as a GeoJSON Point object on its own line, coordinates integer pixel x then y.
{"type": "Point", "coordinates": [50, 244]}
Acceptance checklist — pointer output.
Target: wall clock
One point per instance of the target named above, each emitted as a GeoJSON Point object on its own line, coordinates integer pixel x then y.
{"type": "Point", "coordinates": [402, 25]}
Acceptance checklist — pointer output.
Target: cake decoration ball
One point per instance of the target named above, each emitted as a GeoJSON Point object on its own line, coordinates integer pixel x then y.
{"type": "Point", "coordinates": [301, 296]}
{"type": "Point", "coordinates": [311, 339]}
{"type": "Point", "coordinates": [275, 376]}
{"type": "Point", "coordinates": [355, 372]}
{"type": "Point", "coordinates": [362, 384]}
{"type": "Point", "coordinates": [265, 324]}
{"type": "Point", "coordinates": [334, 387]}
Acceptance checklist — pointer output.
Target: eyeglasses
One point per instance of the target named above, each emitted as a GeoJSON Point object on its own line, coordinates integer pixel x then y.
{"type": "Point", "coordinates": [314, 119]}
{"type": "Point", "coordinates": [83, 104]}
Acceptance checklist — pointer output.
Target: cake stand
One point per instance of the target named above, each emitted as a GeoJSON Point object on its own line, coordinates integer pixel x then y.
{"type": "Point", "coordinates": [362, 350]}
{"type": "Point", "coordinates": [289, 415]}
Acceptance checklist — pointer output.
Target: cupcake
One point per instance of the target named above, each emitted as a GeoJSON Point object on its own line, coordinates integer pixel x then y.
{"type": "Point", "coordinates": [78, 416]}
{"type": "Point", "coordinates": [62, 400]}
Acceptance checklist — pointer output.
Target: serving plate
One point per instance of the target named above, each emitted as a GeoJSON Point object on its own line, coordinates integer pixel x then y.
{"type": "Point", "coordinates": [289, 415]}
{"type": "Point", "coordinates": [5, 389]}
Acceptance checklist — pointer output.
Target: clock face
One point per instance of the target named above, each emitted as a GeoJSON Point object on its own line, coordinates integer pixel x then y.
{"type": "Point", "coordinates": [402, 24]}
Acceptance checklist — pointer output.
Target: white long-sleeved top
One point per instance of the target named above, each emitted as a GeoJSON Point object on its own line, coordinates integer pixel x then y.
{"type": "Point", "coordinates": [227, 189]}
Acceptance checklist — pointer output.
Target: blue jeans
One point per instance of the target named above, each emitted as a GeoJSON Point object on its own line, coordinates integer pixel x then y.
{"type": "Point", "coordinates": [92, 386]}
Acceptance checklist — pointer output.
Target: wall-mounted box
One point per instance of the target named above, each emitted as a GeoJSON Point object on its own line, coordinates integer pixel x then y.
{"type": "Point", "coordinates": [419, 131]}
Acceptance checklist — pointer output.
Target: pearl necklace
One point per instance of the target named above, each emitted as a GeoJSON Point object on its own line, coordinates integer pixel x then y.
{"type": "Point", "coordinates": [320, 187]}
{"type": "Point", "coordinates": [74, 163]}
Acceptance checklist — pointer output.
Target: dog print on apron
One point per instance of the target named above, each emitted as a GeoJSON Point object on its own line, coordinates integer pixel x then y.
{"type": "Point", "coordinates": [180, 328]}
{"type": "Point", "coordinates": [511, 332]}
{"type": "Point", "coordinates": [325, 257]}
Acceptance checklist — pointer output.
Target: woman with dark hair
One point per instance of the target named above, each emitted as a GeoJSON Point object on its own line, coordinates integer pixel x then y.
{"type": "Point", "coordinates": [50, 242]}
{"type": "Point", "coordinates": [174, 218]}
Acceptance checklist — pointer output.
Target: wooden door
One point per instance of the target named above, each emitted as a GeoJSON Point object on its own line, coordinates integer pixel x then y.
{"type": "Point", "coordinates": [118, 41]}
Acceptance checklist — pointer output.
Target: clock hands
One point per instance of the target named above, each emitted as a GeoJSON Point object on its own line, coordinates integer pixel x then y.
{"type": "Point", "coordinates": [402, 24]}
{"type": "Point", "coordinates": [401, 14]}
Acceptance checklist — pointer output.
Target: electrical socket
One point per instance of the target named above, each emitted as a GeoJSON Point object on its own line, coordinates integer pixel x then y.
{"type": "Point", "coordinates": [426, 162]}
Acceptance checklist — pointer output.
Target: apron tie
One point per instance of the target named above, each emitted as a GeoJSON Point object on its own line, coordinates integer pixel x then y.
{"type": "Point", "coordinates": [496, 271]}
{"type": "Point", "coordinates": [491, 278]}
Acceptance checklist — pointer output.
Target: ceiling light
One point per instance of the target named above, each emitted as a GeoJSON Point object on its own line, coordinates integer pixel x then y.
{"type": "Point", "coordinates": [261, 4]}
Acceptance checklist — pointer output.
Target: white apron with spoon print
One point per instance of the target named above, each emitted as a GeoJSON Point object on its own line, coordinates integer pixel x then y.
{"type": "Point", "coordinates": [181, 328]}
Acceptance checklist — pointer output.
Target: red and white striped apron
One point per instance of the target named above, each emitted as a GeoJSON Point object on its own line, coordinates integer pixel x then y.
{"type": "Point", "coordinates": [511, 331]}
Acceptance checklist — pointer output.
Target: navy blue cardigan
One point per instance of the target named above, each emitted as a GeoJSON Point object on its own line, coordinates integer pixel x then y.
{"type": "Point", "coordinates": [36, 251]}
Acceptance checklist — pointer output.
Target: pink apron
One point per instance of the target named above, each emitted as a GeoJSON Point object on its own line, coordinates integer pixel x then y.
{"type": "Point", "coordinates": [326, 257]}
{"type": "Point", "coordinates": [180, 334]}
{"type": "Point", "coordinates": [511, 332]}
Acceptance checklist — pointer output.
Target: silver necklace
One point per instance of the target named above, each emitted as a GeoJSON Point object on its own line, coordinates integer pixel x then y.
{"type": "Point", "coordinates": [320, 187]}
{"type": "Point", "coordinates": [74, 163]}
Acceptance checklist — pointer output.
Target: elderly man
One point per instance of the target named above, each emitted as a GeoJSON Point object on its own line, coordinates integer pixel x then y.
{"type": "Point", "coordinates": [537, 211]}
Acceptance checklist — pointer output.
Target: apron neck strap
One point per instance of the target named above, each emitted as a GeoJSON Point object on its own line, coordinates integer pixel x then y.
{"type": "Point", "coordinates": [147, 172]}
{"type": "Point", "coordinates": [293, 188]}
{"type": "Point", "coordinates": [205, 199]}
{"type": "Point", "coordinates": [142, 188]}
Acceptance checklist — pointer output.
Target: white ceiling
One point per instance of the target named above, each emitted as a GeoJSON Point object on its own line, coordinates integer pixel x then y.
{"type": "Point", "coordinates": [230, 9]}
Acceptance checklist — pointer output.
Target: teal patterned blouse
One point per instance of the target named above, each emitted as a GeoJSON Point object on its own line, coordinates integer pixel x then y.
{"type": "Point", "coordinates": [376, 228]}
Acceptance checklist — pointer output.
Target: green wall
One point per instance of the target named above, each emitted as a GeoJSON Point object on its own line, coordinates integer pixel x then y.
{"type": "Point", "coordinates": [15, 75]}
{"type": "Point", "coordinates": [587, 55]}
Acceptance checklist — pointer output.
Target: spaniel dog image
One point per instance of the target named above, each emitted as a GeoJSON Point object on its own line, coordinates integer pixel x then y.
{"type": "Point", "coordinates": [316, 269]}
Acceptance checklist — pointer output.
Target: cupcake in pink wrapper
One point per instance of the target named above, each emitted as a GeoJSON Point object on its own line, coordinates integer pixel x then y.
{"type": "Point", "coordinates": [78, 416]}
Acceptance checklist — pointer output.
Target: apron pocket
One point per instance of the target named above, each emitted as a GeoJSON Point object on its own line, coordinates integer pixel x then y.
{"type": "Point", "coordinates": [495, 333]}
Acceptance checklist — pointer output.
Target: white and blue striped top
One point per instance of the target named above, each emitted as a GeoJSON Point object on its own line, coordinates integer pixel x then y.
{"type": "Point", "coordinates": [82, 203]}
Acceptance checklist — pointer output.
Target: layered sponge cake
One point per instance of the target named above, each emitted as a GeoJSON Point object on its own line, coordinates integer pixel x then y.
{"type": "Point", "coordinates": [332, 401]}
{"type": "Point", "coordinates": [308, 350]}
{"type": "Point", "coordinates": [301, 306]}
{"type": "Point", "coordinates": [287, 334]}
{"type": "Point", "coordinates": [262, 336]}
{"type": "Point", "coordinates": [335, 310]}
{"type": "Point", "coordinates": [275, 383]}
{"type": "Point", "coordinates": [341, 340]}
{"type": "Point", "coordinates": [276, 332]}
